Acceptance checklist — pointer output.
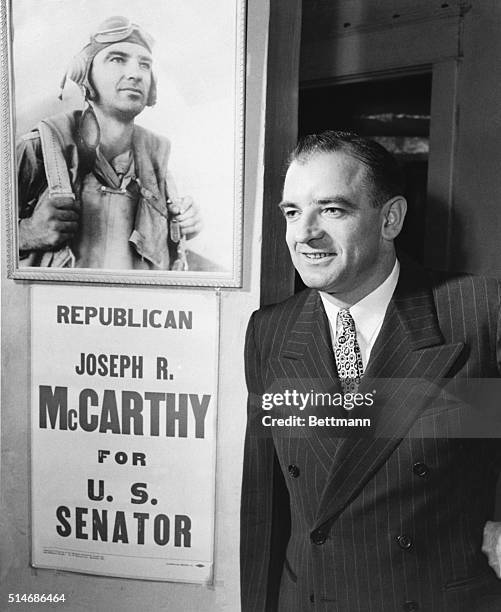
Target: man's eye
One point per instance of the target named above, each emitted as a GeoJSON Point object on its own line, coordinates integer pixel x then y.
{"type": "Point", "coordinates": [145, 65]}
{"type": "Point", "coordinates": [332, 211]}
{"type": "Point", "coordinates": [117, 59]}
{"type": "Point", "coordinates": [290, 213]}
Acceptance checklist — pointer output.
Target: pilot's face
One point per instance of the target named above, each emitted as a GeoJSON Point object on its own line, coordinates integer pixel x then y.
{"type": "Point", "coordinates": [121, 76]}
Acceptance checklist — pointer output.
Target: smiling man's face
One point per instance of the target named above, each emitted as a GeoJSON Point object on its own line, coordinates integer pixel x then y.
{"type": "Point", "coordinates": [333, 230]}
{"type": "Point", "coordinates": [121, 75]}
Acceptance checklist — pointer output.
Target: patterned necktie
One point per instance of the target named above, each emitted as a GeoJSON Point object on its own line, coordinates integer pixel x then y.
{"type": "Point", "coordinates": [347, 353]}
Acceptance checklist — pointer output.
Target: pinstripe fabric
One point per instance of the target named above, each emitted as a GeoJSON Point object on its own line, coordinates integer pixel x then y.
{"type": "Point", "coordinates": [362, 493]}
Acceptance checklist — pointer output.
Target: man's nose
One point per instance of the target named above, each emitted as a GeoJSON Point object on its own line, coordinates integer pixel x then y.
{"type": "Point", "coordinates": [308, 227]}
{"type": "Point", "coordinates": [134, 70]}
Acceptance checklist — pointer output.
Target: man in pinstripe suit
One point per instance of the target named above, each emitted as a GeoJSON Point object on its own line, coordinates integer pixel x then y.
{"type": "Point", "coordinates": [390, 518]}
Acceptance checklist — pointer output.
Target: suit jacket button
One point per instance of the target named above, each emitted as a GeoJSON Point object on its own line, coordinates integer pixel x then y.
{"type": "Point", "coordinates": [420, 469]}
{"type": "Point", "coordinates": [410, 606]}
{"type": "Point", "coordinates": [293, 471]}
{"type": "Point", "coordinates": [404, 541]}
{"type": "Point", "coordinates": [318, 537]}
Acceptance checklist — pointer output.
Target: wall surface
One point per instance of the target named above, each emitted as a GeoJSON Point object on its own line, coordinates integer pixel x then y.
{"type": "Point", "coordinates": [477, 180]}
{"type": "Point", "coordinates": [106, 594]}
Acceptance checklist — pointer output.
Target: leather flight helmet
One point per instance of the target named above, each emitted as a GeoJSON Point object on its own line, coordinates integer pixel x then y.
{"type": "Point", "coordinates": [112, 30]}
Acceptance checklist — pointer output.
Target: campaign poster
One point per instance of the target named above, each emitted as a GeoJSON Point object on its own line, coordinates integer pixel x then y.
{"type": "Point", "coordinates": [123, 431]}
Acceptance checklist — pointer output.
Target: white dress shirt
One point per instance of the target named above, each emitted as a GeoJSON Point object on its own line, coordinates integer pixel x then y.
{"type": "Point", "coordinates": [368, 313]}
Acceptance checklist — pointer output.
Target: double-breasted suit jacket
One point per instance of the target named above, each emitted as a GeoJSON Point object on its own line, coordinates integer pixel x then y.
{"type": "Point", "coordinates": [390, 519]}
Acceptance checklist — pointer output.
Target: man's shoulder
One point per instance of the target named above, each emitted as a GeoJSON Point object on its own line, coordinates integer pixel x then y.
{"type": "Point", "coordinates": [149, 138]}
{"type": "Point", "coordinates": [461, 287]}
{"type": "Point", "coordinates": [446, 286]}
{"type": "Point", "coordinates": [283, 315]}
{"type": "Point", "coordinates": [290, 304]}
{"type": "Point", "coordinates": [150, 146]}
{"type": "Point", "coordinates": [67, 121]}
{"type": "Point", "coordinates": [63, 123]}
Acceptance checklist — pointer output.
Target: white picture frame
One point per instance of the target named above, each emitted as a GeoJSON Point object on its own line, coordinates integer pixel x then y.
{"type": "Point", "coordinates": [199, 64]}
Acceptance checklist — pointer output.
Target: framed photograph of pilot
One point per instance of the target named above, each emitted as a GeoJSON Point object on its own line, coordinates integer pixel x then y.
{"type": "Point", "coordinates": [122, 140]}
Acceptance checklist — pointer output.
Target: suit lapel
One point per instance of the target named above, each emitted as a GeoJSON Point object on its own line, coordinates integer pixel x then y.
{"type": "Point", "coordinates": [407, 362]}
{"type": "Point", "coordinates": [308, 348]}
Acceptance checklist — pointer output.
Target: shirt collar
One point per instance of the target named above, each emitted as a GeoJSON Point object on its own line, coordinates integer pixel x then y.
{"type": "Point", "coordinates": [112, 173]}
{"type": "Point", "coordinates": [369, 312]}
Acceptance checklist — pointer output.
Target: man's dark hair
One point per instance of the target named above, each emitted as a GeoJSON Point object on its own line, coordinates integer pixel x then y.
{"type": "Point", "coordinates": [384, 178]}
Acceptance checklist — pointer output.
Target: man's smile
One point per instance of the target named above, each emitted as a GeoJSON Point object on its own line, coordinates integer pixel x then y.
{"type": "Point", "coordinates": [315, 254]}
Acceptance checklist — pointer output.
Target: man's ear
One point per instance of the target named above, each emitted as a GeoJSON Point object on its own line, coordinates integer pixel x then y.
{"type": "Point", "coordinates": [152, 94]}
{"type": "Point", "coordinates": [393, 217]}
